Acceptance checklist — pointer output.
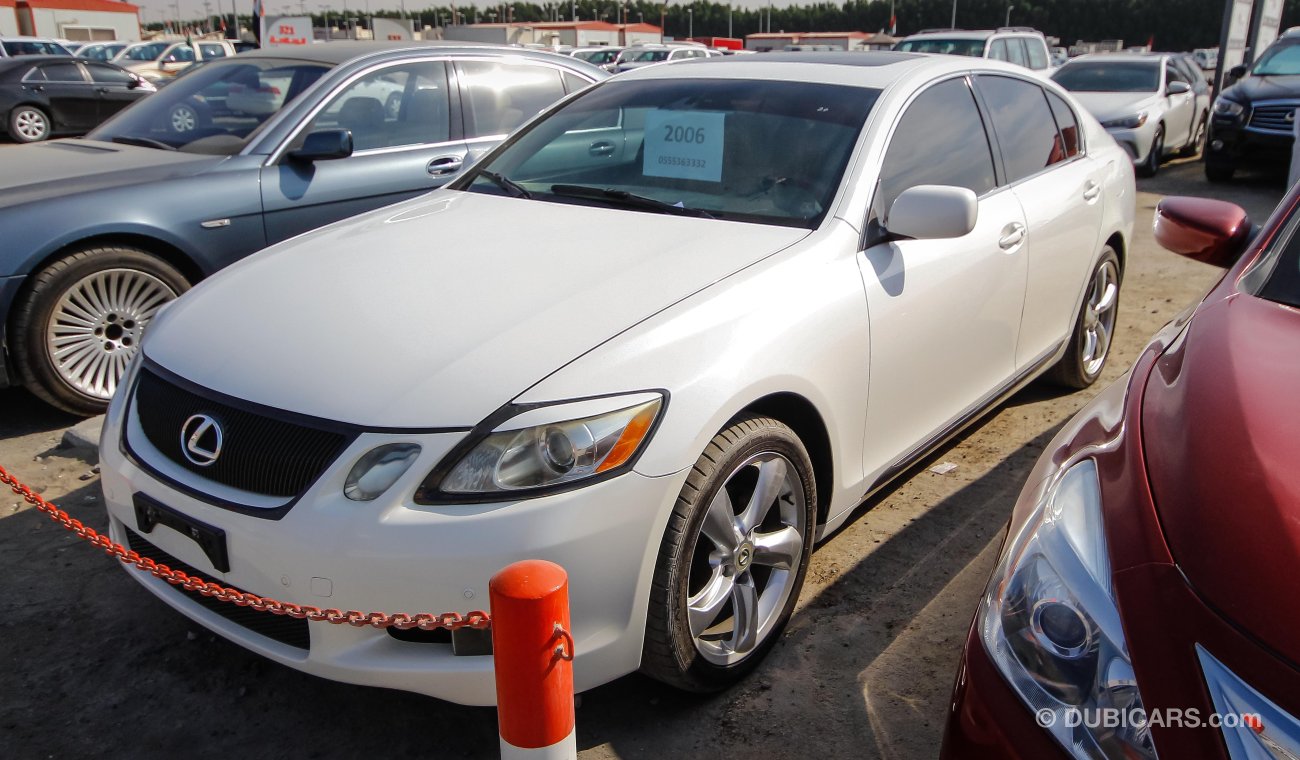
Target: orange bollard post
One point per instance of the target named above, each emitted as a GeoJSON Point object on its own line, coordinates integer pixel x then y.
{"type": "Point", "coordinates": [532, 650]}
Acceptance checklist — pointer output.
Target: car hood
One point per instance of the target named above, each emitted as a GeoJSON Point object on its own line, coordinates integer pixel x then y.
{"type": "Point", "coordinates": [1219, 436]}
{"type": "Point", "coordinates": [437, 311]}
{"type": "Point", "coordinates": [1254, 88]}
{"type": "Point", "coordinates": [62, 167]}
{"type": "Point", "coordinates": [1105, 106]}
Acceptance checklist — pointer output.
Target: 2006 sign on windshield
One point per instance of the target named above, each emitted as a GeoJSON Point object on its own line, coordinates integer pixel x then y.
{"type": "Point", "coordinates": [684, 145]}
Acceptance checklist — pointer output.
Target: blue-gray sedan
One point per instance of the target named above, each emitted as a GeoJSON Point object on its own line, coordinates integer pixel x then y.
{"type": "Point", "coordinates": [99, 233]}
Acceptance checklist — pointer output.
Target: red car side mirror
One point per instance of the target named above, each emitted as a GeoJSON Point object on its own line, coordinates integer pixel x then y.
{"type": "Point", "coordinates": [1215, 232]}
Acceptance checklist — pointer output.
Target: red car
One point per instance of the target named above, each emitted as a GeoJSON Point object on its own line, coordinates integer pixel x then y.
{"type": "Point", "coordinates": [1145, 604]}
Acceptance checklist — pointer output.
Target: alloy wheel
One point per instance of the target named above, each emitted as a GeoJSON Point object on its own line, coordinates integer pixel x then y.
{"type": "Point", "coordinates": [31, 124]}
{"type": "Point", "coordinates": [97, 324]}
{"type": "Point", "coordinates": [746, 558]}
{"type": "Point", "coordinates": [1099, 317]}
{"type": "Point", "coordinates": [184, 119]}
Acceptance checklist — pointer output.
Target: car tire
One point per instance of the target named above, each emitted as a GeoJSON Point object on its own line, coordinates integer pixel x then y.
{"type": "Point", "coordinates": [79, 322]}
{"type": "Point", "coordinates": [1218, 172]}
{"type": "Point", "coordinates": [29, 124]}
{"type": "Point", "coordinates": [184, 119]}
{"type": "Point", "coordinates": [1094, 328]}
{"type": "Point", "coordinates": [1151, 165]}
{"type": "Point", "coordinates": [716, 576]}
{"type": "Point", "coordinates": [1197, 146]}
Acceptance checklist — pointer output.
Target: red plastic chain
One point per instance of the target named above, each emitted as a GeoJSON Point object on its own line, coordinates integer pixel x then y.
{"type": "Point", "coordinates": [400, 620]}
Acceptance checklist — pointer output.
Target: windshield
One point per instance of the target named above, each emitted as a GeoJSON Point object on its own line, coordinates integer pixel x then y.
{"type": "Point", "coordinates": [646, 56]}
{"type": "Point", "coordinates": [33, 47]}
{"type": "Point", "coordinates": [597, 56]}
{"type": "Point", "coordinates": [1278, 60]}
{"type": "Point", "coordinates": [1110, 76]}
{"type": "Point", "coordinates": [148, 51]}
{"type": "Point", "coordinates": [973, 48]}
{"type": "Point", "coordinates": [212, 110]}
{"type": "Point", "coordinates": [746, 150]}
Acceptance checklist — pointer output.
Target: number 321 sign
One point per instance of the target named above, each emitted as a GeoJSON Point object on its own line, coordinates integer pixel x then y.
{"type": "Point", "coordinates": [684, 145]}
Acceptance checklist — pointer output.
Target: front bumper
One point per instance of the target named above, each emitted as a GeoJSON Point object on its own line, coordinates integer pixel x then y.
{"type": "Point", "coordinates": [392, 555]}
{"type": "Point", "coordinates": [1136, 142]}
{"type": "Point", "coordinates": [1232, 144]}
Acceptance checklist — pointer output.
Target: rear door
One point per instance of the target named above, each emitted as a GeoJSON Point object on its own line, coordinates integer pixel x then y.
{"type": "Point", "coordinates": [406, 141]}
{"type": "Point", "coordinates": [945, 314]}
{"type": "Point", "coordinates": [1060, 189]}
{"type": "Point", "coordinates": [73, 102]}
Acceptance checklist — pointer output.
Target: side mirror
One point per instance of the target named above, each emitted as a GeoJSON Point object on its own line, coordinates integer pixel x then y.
{"type": "Point", "coordinates": [325, 145]}
{"type": "Point", "coordinates": [1214, 232]}
{"type": "Point", "coordinates": [933, 212]}
{"type": "Point", "coordinates": [1178, 88]}
{"type": "Point", "coordinates": [1237, 72]}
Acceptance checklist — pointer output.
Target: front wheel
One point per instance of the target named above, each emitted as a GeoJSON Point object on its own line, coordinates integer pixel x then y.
{"type": "Point", "coordinates": [81, 320]}
{"type": "Point", "coordinates": [1094, 330]}
{"type": "Point", "coordinates": [1151, 165]}
{"type": "Point", "coordinates": [733, 558]}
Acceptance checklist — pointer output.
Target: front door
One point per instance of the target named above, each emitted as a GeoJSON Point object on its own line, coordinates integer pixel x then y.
{"type": "Point", "coordinates": [116, 88]}
{"type": "Point", "coordinates": [945, 314]}
{"type": "Point", "coordinates": [403, 145]}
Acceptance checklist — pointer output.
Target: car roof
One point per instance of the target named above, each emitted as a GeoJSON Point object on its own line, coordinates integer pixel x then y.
{"type": "Point", "coordinates": [13, 62]}
{"type": "Point", "coordinates": [344, 51]}
{"type": "Point", "coordinates": [1122, 57]}
{"type": "Point", "coordinates": [954, 34]}
{"type": "Point", "coordinates": [875, 69]}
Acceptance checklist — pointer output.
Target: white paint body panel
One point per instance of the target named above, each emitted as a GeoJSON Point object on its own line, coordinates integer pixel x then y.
{"type": "Point", "coordinates": [437, 312]}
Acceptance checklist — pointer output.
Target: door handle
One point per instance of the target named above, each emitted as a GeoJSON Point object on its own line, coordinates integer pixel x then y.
{"type": "Point", "coordinates": [1091, 191]}
{"type": "Point", "coordinates": [601, 149]}
{"type": "Point", "coordinates": [1012, 236]}
{"type": "Point", "coordinates": [445, 165]}
{"type": "Point", "coordinates": [103, 90]}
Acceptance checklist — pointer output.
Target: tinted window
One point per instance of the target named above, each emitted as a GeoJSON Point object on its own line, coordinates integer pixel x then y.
{"type": "Point", "coordinates": [397, 105]}
{"type": "Point", "coordinates": [1109, 76]}
{"type": "Point", "coordinates": [180, 54]}
{"type": "Point", "coordinates": [501, 96]}
{"type": "Point", "coordinates": [145, 52]}
{"type": "Point", "coordinates": [1280, 59]}
{"type": "Point", "coordinates": [1066, 123]}
{"type": "Point", "coordinates": [1024, 125]}
{"type": "Point", "coordinates": [973, 48]}
{"type": "Point", "coordinates": [212, 51]}
{"type": "Point", "coordinates": [573, 82]}
{"type": "Point", "coordinates": [35, 75]}
{"type": "Point", "coordinates": [1037, 53]}
{"type": "Point", "coordinates": [33, 47]}
{"type": "Point", "coordinates": [102, 74]}
{"type": "Point", "coordinates": [63, 72]}
{"type": "Point", "coordinates": [1172, 74]}
{"type": "Point", "coordinates": [998, 50]}
{"type": "Point", "coordinates": [939, 141]}
{"type": "Point", "coordinates": [94, 52]}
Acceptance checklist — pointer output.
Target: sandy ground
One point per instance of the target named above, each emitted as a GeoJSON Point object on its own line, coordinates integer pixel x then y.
{"type": "Point", "coordinates": [94, 666]}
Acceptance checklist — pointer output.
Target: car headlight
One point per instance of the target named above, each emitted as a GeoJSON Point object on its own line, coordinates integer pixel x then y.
{"type": "Point", "coordinates": [1225, 107]}
{"type": "Point", "coordinates": [1127, 122]}
{"type": "Point", "coordinates": [1051, 626]}
{"type": "Point", "coordinates": [546, 447]}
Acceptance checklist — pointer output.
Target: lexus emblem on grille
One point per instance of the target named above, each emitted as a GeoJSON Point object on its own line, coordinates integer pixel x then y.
{"type": "Point", "coordinates": [201, 440]}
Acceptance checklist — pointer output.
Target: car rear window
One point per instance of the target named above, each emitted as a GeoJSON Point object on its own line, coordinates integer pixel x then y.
{"type": "Point", "coordinates": [1110, 76]}
{"type": "Point", "coordinates": [973, 48]}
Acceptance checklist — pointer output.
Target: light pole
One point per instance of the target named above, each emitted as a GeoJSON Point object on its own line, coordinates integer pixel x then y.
{"type": "Point", "coordinates": [690, 23]}
{"type": "Point", "coordinates": [1008, 21]}
{"type": "Point", "coordinates": [954, 14]}
{"type": "Point", "coordinates": [729, 19]}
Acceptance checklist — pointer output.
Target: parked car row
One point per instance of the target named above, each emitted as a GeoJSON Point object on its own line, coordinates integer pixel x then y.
{"type": "Point", "coordinates": [44, 96]}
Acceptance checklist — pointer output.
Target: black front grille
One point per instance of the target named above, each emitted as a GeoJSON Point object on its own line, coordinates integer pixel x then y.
{"type": "Point", "coordinates": [259, 453]}
{"type": "Point", "coordinates": [1274, 118]}
{"type": "Point", "coordinates": [281, 628]}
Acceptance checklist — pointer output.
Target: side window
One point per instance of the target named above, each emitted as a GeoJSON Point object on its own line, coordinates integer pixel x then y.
{"type": "Point", "coordinates": [1023, 123]}
{"type": "Point", "coordinates": [101, 74]}
{"type": "Point", "coordinates": [1173, 74]}
{"type": "Point", "coordinates": [939, 141]}
{"type": "Point", "coordinates": [574, 83]}
{"type": "Point", "coordinates": [998, 50]}
{"type": "Point", "coordinates": [501, 96]}
{"type": "Point", "coordinates": [1016, 51]}
{"type": "Point", "coordinates": [1067, 124]}
{"type": "Point", "coordinates": [1037, 50]}
{"type": "Point", "coordinates": [63, 72]}
{"type": "Point", "coordinates": [391, 107]}
{"type": "Point", "coordinates": [212, 51]}
{"type": "Point", "coordinates": [180, 54]}
{"type": "Point", "coordinates": [37, 74]}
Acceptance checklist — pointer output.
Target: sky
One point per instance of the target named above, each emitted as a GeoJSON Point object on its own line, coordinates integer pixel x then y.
{"type": "Point", "coordinates": [154, 10]}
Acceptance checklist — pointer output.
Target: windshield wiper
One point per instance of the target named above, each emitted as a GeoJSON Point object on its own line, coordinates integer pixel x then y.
{"type": "Point", "coordinates": [505, 183]}
{"type": "Point", "coordinates": [143, 142]}
{"type": "Point", "coordinates": [627, 200]}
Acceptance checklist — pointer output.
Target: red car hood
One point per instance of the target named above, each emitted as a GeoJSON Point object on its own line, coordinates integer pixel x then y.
{"type": "Point", "coordinates": [1221, 434]}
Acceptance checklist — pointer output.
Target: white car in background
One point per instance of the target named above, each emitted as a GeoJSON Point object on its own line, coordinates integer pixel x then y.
{"type": "Point", "coordinates": [1146, 101]}
{"type": "Point", "coordinates": [639, 56]}
{"type": "Point", "coordinates": [163, 59]}
{"type": "Point", "coordinates": [1020, 45]}
{"type": "Point", "coordinates": [825, 271]}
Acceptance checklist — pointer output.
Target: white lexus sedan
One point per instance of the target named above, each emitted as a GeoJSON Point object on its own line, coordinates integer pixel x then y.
{"type": "Point", "coordinates": [667, 335]}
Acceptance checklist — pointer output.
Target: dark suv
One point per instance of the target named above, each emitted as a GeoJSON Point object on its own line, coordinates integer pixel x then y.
{"type": "Point", "coordinates": [1254, 120]}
